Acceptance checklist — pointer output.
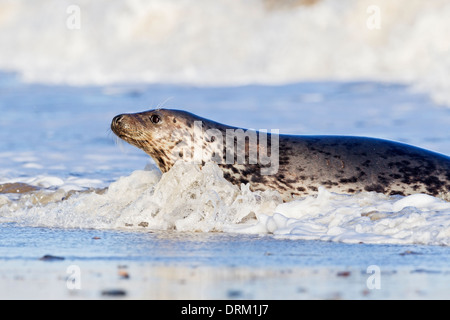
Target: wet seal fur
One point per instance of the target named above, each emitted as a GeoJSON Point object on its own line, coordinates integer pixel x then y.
{"type": "Point", "coordinates": [342, 164]}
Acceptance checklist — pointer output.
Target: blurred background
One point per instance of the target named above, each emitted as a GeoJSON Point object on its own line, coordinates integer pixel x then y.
{"type": "Point", "coordinates": [225, 42]}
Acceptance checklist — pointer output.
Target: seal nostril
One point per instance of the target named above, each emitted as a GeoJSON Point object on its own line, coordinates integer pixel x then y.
{"type": "Point", "coordinates": [117, 119]}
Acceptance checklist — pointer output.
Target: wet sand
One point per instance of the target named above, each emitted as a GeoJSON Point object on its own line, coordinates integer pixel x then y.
{"type": "Point", "coordinates": [43, 263]}
{"type": "Point", "coordinates": [149, 281]}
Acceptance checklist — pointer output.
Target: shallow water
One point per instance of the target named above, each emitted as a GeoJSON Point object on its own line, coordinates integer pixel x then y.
{"type": "Point", "coordinates": [208, 249]}
{"type": "Point", "coordinates": [174, 265]}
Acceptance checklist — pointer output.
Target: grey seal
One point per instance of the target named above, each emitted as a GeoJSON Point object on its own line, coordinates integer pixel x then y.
{"type": "Point", "coordinates": [341, 164]}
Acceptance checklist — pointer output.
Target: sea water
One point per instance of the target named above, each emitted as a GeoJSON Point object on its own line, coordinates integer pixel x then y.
{"type": "Point", "coordinates": [93, 264]}
{"type": "Point", "coordinates": [70, 180]}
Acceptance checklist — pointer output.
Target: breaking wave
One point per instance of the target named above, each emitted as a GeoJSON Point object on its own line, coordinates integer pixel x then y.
{"type": "Point", "coordinates": [193, 199]}
{"type": "Point", "coordinates": [227, 42]}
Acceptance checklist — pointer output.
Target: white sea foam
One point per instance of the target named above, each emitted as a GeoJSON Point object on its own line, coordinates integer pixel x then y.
{"type": "Point", "coordinates": [228, 42]}
{"type": "Point", "coordinates": [365, 218]}
{"type": "Point", "coordinates": [189, 198]}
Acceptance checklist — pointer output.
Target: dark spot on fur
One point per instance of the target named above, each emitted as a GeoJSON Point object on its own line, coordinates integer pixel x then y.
{"type": "Point", "coordinates": [394, 192]}
{"type": "Point", "coordinates": [351, 190]}
{"type": "Point", "coordinates": [174, 120]}
{"type": "Point", "coordinates": [230, 167]}
{"type": "Point", "coordinates": [230, 178]}
{"type": "Point", "coordinates": [433, 184]}
{"type": "Point", "coordinates": [160, 161]}
{"type": "Point", "coordinates": [395, 176]}
{"type": "Point", "coordinates": [249, 170]}
{"type": "Point", "coordinates": [406, 162]}
{"type": "Point", "coordinates": [383, 180]}
{"type": "Point", "coordinates": [288, 183]}
{"type": "Point", "coordinates": [313, 188]}
{"type": "Point", "coordinates": [301, 189]}
{"type": "Point", "coordinates": [243, 180]}
{"type": "Point", "coordinates": [329, 183]}
{"type": "Point", "coordinates": [256, 178]}
{"type": "Point", "coordinates": [284, 160]}
{"type": "Point", "coordinates": [366, 163]}
{"type": "Point", "coordinates": [375, 187]}
{"type": "Point", "coordinates": [349, 180]}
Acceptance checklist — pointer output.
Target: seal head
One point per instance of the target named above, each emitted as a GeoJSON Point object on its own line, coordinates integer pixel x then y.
{"type": "Point", "coordinates": [150, 131]}
{"type": "Point", "coordinates": [167, 135]}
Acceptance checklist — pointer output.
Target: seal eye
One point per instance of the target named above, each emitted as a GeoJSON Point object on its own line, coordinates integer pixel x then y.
{"type": "Point", "coordinates": [154, 118]}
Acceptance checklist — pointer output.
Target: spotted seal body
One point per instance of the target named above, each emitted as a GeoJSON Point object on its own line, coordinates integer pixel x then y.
{"type": "Point", "coordinates": [341, 164]}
